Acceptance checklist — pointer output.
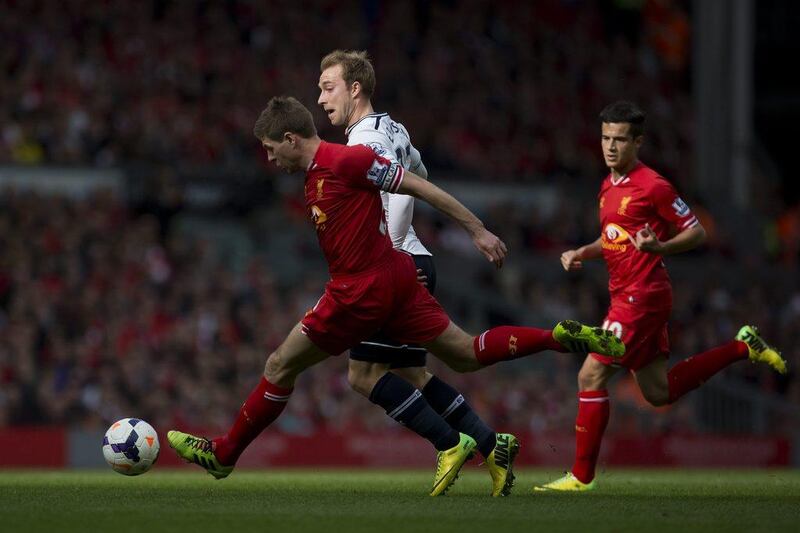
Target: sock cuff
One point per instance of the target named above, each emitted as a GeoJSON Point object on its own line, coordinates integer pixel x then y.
{"type": "Point", "coordinates": [275, 393]}
{"type": "Point", "coordinates": [376, 390]}
{"type": "Point", "coordinates": [432, 384]}
{"type": "Point", "coordinates": [593, 395]}
{"type": "Point", "coordinates": [742, 349]}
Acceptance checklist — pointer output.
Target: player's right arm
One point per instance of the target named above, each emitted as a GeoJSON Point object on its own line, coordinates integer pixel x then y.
{"type": "Point", "coordinates": [367, 169]}
{"type": "Point", "coordinates": [485, 241]}
{"type": "Point", "coordinates": [573, 259]}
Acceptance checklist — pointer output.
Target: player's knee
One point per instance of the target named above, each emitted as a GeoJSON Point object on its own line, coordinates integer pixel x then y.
{"type": "Point", "coordinates": [417, 376]}
{"type": "Point", "coordinates": [656, 397]}
{"type": "Point", "coordinates": [359, 379]}
{"type": "Point", "coordinates": [275, 371]}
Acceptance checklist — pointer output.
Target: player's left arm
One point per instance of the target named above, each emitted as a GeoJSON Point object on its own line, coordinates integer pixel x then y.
{"type": "Point", "coordinates": [485, 241]}
{"type": "Point", "coordinates": [672, 209]}
{"type": "Point", "coordinates": [647, 240]}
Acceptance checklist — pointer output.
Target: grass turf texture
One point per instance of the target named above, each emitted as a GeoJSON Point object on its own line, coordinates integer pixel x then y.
{"type": "Point", "coordinates": [370, 501]}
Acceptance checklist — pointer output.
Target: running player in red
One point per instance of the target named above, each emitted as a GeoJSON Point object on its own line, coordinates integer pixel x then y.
{"type": "Point", "coordinates": [372, 287]}
{"type": "Point", "coordinates": [639, 209]}
{"type": "Point", "coordinates": [347, 83]}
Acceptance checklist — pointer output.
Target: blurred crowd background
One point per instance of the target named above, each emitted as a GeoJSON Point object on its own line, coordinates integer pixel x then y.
{"type": "Point", "coordinates": [155, 304]}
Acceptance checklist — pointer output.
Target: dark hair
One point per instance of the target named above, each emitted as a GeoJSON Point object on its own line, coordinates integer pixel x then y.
{"type": "Point", "coordinates": [284, 114]}
{"type": "Point", "coordinates": [356, 66]}
{"type": "Point", "coordinates": [625, 112]}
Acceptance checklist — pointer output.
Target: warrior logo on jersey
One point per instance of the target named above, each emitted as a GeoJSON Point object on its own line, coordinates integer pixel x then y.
{"type": "Point", "coordinates": [512, 345]}
{"type": "Point", "coordinates": [680, 207]}
{"type": "Point", "coordinates": [602, 201]}
{"type": "Point", "coordinates": [623, 205]}
{"type": "Point", "coordinates": [615, 238]}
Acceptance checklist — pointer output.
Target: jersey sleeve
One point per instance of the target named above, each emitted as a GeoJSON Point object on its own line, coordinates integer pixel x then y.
{"type": "Point", "coordinates": [364, 168]}
{"type": "Point", "coordinates": [415, 164]}
{"type": "Point", "coordinates": [671, 207]}
{"type": "Point", "coordinates": [375, 140]}
{"type": "Point", "coordinates": [399, 207]}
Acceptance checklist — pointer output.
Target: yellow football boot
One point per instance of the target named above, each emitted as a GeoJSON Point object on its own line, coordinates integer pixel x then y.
{"type": "Point", "coordinates": [578, 338]}
{"type": "Point", "coordinates": [501, 464]}
{"type": "Point", "coordinates": [567, 483]}
{"type": "Point", "coordinates": [760, 351]}
{"type": "Point", "coordinates": [449, 463]}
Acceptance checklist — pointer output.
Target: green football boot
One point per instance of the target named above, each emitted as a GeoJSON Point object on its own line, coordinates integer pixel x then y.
{"type": "Point", "coordinates": [760, 351]}
{"type": "Point", "coordinates": [449, 463]}
{"type": "Point", "coordinates": [501, 464]}
{"type": "Point", "coordinates": [198, 450]}
{"type": "Point", "coordinates": [578, 338]}
{"type": "Point", "coordinates": [566, 483]}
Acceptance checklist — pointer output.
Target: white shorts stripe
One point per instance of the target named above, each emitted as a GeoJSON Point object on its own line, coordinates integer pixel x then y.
{"type": "Point", "coordinates": [395, 346]}
{"type": "Point", "coordinates": [594, 400]}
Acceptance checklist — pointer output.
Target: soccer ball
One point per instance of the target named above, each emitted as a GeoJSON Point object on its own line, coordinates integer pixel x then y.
{"type": "Point", "coordinates": [130, 446]}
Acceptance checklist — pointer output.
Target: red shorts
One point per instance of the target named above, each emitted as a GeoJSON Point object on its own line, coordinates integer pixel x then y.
{"type": "Point", "coordinates": [387, 298]}
{"type": "Point", "coordinates": [644, 332]}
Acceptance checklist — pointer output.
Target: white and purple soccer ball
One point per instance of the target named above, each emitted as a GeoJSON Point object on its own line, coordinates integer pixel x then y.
{"type": "Point", "coordinates": [130, 446]}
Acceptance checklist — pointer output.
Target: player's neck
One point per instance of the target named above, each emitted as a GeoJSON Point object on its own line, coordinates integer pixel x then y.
{"type": "Point", "coordinates": [618, 173]}
{"type": "Point", "coordinates": [309, 150]}
{"type": "Point", "coordinates": [361, 110]}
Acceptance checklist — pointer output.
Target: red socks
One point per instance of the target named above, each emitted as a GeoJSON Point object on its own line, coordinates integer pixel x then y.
{"type": "Point", "coordinates": [259, 410]}
{"type": "Point", "coordinates": [512, 342]}
{"type": "Point", "coordinates": [593, 411]}
{"type": "Point", "coordinates": [696, 370]}
{"type": "Point", "coordinates": [593, 407]}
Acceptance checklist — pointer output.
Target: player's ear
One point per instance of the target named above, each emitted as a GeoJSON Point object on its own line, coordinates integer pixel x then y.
{"type": "Point", "coordinates": [355, 89]}
{"type": "Point", "coordinates": [290, 138]}
{"type": "Point", "coordinates": [638, 141]}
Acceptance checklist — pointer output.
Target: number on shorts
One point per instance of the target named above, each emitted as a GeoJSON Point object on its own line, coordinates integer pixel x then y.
{"type": "Point", "coordinates": [613, 327]}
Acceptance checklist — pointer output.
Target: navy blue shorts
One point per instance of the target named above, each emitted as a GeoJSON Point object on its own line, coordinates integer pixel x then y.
{"type": "Point", "coordinates": [381, 349]}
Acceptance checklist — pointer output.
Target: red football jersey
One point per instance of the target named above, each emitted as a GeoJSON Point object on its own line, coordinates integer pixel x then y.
{"type": "Point", "coordinates": [342, 199]}
{"type": "Point", "coordinates": [641, 197]}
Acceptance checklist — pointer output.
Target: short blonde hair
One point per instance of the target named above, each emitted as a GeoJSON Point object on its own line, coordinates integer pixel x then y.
{"type": "Point", "coordinates": [356, 66]}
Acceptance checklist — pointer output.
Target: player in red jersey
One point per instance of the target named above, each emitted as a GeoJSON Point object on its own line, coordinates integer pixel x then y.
{"type": "Point", "coordinates": [638, 211]}
{"type": "Point", "coordinates": [373, 287]}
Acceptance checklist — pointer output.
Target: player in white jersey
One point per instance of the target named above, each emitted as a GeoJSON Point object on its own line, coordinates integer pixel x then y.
{"type": "Point", "coordinates": [346, 84]}
{"type": "Point", "coordinates": [390, 139]}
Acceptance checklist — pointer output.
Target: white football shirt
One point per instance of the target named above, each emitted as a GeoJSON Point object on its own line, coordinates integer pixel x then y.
{"type": "Point", "coordinates": [390, 139]}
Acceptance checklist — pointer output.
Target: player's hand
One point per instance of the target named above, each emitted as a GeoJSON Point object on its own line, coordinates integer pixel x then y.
{"type": "Point", "coordinates": [646, 240]}
{"type": "Point", "coordinates": [421, 277]}
{"type": "Point", "coordinates": [490, 246]}
{"type": "Point", "coordinates": [571, 261]}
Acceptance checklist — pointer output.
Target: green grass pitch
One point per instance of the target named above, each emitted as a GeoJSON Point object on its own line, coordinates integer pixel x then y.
{"type": "Point", "coordinates": [387, 501]}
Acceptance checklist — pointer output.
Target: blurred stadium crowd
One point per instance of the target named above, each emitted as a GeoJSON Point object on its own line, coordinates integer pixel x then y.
{"type": "Point", "coordinates": [103, 315]}
{"type": "Point", "coordinates": [107, 311]}
{"type": "Point", "coordinates": [503, 89]}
